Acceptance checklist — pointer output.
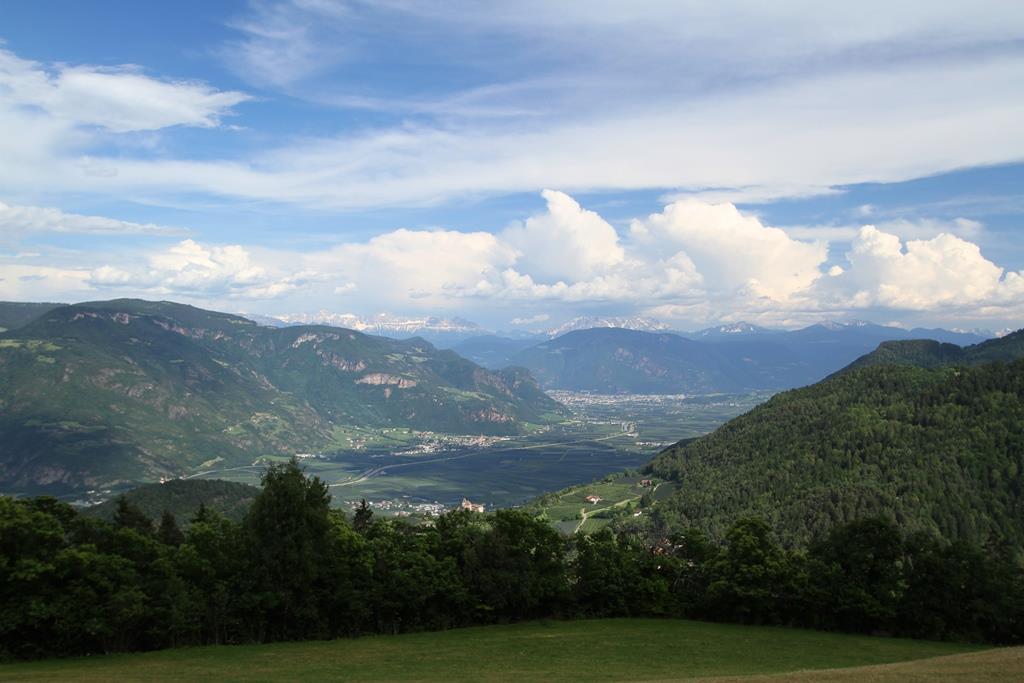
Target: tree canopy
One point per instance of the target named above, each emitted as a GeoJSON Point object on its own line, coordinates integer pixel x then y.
{"type": "Point", "coordinates": [295, 568]}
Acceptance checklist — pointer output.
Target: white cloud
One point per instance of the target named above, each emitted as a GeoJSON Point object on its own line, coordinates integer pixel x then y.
{"type": "Point", "coordinates": [191, 269]}
{"type": "Point", "coordinates": [944, 271]}
{"type": "Point", "coordinates": [567, 242]}
{"type": "Point", "coordinates": [756, 194]}
{"type": "Point", "coordinates": [285, 42]}
{"type": "Point", "coordinates": [294, 39]}
{"type": "Point", "coordinates": [692, 263]}
{"type": "Point", "coordinates": [905, 228]}
{"type": "Point", "coordinates": [532, 320]}
{"type": "Point", "coordinates": [119, 99]}
{"type": "Point", "coordinates": [419, 267]}
{"type": "Point", "coordinates": [815, 132]}
{"type": "Point", "coordinates": [731, 251]}
{"type": "Point", "coordinates": [791, 101]}
{"type": "Point", "coordinates": [20, 220]}
{"type": "Point", "coordinates": [41, 283]}
{"type": "Point", "coordinates": [927, 228]}
{"type": "Point", "coordinates": [788, 100]}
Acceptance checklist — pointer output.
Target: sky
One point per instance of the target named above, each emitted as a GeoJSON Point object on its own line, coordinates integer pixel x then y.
{"type": "Point", "coordinates": [519, 164]}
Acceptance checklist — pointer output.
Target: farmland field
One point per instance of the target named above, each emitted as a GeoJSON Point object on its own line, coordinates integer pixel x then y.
{"type": "Point", "coordinates": [608, 434]}
{"type": "Point", "coordinates": [598, 650]}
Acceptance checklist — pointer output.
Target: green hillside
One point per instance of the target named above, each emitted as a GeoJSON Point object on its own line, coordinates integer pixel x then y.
{"type": "Point", "coordinates": [594, 650]}
{"type": "Point", "coordinates": [938, 449]}
{"type": "Point", "coordinates": [107, 393]}
{"type": "Point", "coordinates": [183, 498]}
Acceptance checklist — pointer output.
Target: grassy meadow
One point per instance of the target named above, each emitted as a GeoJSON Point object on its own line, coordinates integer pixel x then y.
{"type": "Point", "coordinates": [596, 650]}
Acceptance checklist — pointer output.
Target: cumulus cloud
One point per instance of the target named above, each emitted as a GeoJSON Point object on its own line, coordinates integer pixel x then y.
{"type": "Point", "coordinates": [119, 99]}
{"type": "Point", "coordinates": [567, 242]}
{"type": "Point", "coordinates": [428, 266]}
{"type": "Point", "coordinates": [191, 269]}
{"type": "Point", "coordinates": [944, 271]}
{"type": "Point", "coordinates": [731, 251]}
{"type": "Point", "coordinates": [691, 262]}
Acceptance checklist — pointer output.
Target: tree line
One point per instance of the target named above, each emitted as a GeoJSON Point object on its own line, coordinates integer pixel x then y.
{"type": "Point", "coordinates": [294, 568]}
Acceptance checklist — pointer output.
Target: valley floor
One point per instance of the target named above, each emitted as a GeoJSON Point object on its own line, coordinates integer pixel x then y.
{"type": "Point", "coordinates": [399, 470]}
{"type": "Point", "coordinates": [595, 650]}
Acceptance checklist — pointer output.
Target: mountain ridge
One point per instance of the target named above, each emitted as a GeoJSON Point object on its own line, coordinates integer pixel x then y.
{"type": "Point", "coordinates": [931, 353]}
{"type": "Point", "coordinates": [636, 361]}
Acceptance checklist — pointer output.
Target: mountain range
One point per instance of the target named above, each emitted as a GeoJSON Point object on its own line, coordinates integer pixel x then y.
{"type": "Point", "coordinates": [629, 354]}
{"type": "Point", "coordinates": [638, 323]}
{"type": "Point", "coordinates": [432, 328]}
{"type": "Point", "coordinates": [724, 359]}
{"type": "Point", "coordinates": [447, 332]}
{"type": "Point", "coordinates": [102, 393]}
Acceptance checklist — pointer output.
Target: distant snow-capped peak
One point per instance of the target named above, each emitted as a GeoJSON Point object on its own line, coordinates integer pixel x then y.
{"type": "Point", "coordinates": [382, 323]}
{"type": "Point", "coordinates": [627, 323]}
{"type": "Point", "coordinates": [981, 332]}
{"type": "Point", "coordinates": [844, 324]}
{"type": "Point", "coordinates": [741, 327]}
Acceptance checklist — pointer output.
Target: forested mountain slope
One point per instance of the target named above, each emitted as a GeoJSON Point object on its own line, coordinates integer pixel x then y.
{"type": "Point", "coordinates": [121, 391]}
{"type": "Point", "coordinates": [938, 449]}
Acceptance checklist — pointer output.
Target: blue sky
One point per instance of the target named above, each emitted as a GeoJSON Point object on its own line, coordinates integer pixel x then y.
{"type": "Point", "coordinates": [693, 162]}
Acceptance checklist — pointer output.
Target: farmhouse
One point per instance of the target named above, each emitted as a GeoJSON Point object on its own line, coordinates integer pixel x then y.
{"type": "Point", "coordinates": [593, 499]}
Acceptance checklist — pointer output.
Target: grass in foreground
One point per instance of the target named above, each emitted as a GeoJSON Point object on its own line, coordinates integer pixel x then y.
{"type": "Point", "coordinates": [597, 650]}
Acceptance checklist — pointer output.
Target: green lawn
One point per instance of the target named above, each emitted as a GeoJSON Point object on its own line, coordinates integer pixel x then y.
{"type": "Point", "coordinates": [599, 650]}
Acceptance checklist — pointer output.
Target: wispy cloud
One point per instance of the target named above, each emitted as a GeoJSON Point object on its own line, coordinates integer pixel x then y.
{"type": "Point", "coordinates": [812, 134]}
{"type": "Point", "coordinates": [121, 99]}
{"type": "Point", "coordinates": [19, 221]}
{"type": "Point", "coordinates": [794, 100]}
